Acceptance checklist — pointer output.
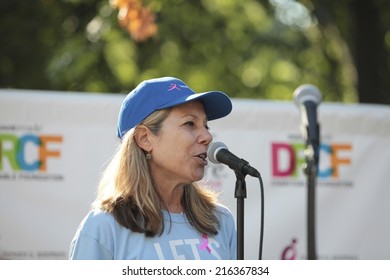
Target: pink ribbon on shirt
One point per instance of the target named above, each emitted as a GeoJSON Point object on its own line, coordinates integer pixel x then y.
{"type": "Point", "coordinates": [205, 243]}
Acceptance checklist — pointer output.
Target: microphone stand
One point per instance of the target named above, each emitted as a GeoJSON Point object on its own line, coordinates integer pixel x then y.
{"type": "Point", "coordinates": [312, 161]}
{"type": "Point", "coordinates": [240, 194]}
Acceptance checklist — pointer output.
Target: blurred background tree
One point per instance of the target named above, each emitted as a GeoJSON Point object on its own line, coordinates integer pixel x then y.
{"type": "Point", "coordinates": [249, 49]}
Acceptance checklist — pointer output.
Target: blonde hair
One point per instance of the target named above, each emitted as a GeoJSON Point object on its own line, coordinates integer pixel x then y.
{"type": "Point", "coordinates": [127, 191]}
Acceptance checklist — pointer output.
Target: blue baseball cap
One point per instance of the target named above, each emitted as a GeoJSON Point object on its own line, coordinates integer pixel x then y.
{"type": "Point", "coordinates": [160, 93]}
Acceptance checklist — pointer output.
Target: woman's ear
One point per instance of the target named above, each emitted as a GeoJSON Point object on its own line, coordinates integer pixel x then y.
{"type": "Point", "coordinates": [142, 137]}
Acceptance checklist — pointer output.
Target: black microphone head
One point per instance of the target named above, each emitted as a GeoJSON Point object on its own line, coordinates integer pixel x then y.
{"type": "Point", "coordinates": [305, 93]}
{"type": "Point", "coordinates": [213, 149]}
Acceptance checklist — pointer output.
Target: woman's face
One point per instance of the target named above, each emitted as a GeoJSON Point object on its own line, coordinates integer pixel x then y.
{"type": "Point", "coordinates": [179, 149]}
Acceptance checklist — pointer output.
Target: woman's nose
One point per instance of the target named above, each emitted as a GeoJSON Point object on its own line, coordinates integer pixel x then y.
{"type": "Point", "coordinates": [206, 137]}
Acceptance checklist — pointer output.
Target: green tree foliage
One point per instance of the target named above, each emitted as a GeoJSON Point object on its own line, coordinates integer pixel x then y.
{"type": "Point", "coordinates": [364, 28]}
{"type": "Point", "coordinates": [249, 48]}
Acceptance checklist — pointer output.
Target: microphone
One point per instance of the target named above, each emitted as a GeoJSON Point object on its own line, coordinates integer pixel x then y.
{"type": "Point", "coordinates": [307, 97]}
{"type": "Point", "coordinates": [219, 153]}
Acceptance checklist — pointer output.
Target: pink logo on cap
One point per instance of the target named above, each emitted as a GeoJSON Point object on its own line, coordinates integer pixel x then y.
{"type": "Point", "coordinates": [174, 86]}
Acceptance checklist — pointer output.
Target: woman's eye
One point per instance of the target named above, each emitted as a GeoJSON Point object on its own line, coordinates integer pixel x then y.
{"type": "Point", "coordinates": [190, 123]}
{"type": "Point", "coordinates": [193, 124]}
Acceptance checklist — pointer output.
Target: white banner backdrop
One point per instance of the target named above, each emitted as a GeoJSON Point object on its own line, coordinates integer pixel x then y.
{"type": "Point", "coordinates": [53, 147]}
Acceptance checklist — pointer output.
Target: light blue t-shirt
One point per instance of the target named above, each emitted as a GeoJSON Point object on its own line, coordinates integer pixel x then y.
{"type": "Point", "coordinates": [100, 236]}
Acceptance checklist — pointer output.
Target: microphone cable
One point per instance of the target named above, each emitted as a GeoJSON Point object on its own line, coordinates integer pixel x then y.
{"type": "Point", "coordinates": [261, 217]}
